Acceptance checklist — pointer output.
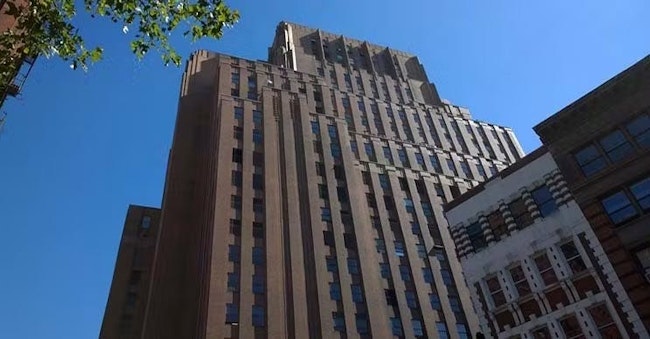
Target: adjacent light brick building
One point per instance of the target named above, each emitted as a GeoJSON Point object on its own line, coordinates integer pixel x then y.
{"type": "Point", "coordinates": [304, 197]}
{"type": "Point", "coordinates": [533, 264]}
{"type": "Point", "coordinates": [601, 144]}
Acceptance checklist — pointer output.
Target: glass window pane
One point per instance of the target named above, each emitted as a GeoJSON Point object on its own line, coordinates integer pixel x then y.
{"type": "Point", "coordinates": [641, 191]}
{"type": "Point", "coordinates": [619, 208]}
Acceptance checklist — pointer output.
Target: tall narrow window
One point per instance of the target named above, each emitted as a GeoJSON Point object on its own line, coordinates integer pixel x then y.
{"type": "Point", "coordinates": [545, 269]}
{"type": "Point", "coordinates": [498, 297]}
{"type": "Point", "coordinates": [544, 200]}
{"type": "Point", "coordinates": [572, 256]}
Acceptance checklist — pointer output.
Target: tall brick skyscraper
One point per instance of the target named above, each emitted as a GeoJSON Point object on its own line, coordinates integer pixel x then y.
{"type": "Point", "coordinates": [303, 197]}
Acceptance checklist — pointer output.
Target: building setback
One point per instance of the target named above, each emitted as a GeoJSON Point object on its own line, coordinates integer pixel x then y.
{"type": "Point", "coordinates": [606, 163]}
{"type": "Point", "coordinates": [534, 266]}
{"type": "Point", "coordinates": [304, 196]}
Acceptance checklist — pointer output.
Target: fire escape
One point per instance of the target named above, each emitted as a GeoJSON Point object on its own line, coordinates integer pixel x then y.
{"type": "Point", "coordinates": [15, 85]}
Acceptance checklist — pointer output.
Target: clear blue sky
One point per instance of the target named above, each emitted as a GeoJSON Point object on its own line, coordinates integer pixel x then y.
{"type": "Point", "coordinates": [78, 148]}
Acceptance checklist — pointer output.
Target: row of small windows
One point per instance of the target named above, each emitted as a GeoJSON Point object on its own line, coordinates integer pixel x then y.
{"type": "Point", "coordinates": [544, 201]}
{"type": "Point", "coordinates": [258, 315]}
{"type": "Point", "coordinates": [614, 147]}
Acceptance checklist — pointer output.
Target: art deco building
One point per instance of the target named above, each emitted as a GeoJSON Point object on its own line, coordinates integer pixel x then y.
{"type": "Point", "coordinates": [304, 197]}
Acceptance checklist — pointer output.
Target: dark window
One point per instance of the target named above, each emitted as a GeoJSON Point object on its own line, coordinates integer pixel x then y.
{"type": "Point", "coordinates": [520, 213]}
{"type": "Point", "coordinates": [332, 265]}
{"type": "Point", "coordinates": [258, 256]}
{"type": "Point", "coordinates": [325, 214]}
{"type": "Point", "coordinates": [411, 299]}
{"type": "Point", "coordinates": [402, 157]}
{"type": "Point", "coordinates": [435, 301]}
{"type": "Point", "coordinates": [422, 251]}
{"type": "Point", "coordinates": [619, 208]}
{"type": "Point", "coordinates": [238, 133]}
{"type": "Point", "coordinates": [357, 294]}
{"type": "Point", "coordinates": [519, 279]}
{"type": "Point", "coordinates": [380, 245]}
{"type": "Point", "coordinates": [442, 330]}
{"type": "Point", "coordinates": [322, 191]}
{"type": "Point", "coordinates": [336, 150]}
{"type": "Point", "coordinates": [498, 297]}
{"type": "Point", "coordinates": [641, 192]}
{"type": "Point", "coordinates": [258, 159]}
{"type": "Point", "coordinates": [391, 298]}
{"type": "Point", "coordinates": [572, 256]}
{"type": "Point", "coordinates": [399, 248]}
{"type": "Point", "coordinates": [545, 269]}
{"type": "Point", "coordinates": [339, 321]}
{"type": "Point", "coordinates": [571, 327]}
{"type": "Point", "coordinates": [639, 129]}
{"type": "Point", "coordinates": [465, 167]}
{"type": "Point", "coordinates": [544, 200]}
{"type": "Point", "coordinates": [476, 237]}
{"type": "Point", "coordinates": [257, 136]}
{"type": "Point", "coordinates": [335, 291]}
{"type": "Point", "coordinates": [435, 163]}
{"type": "Point", "coordinates": [258, 316]}
{"type": "Point", "coordinates": [320, 169]}
{"type": "Point", "coordinates": [258, 284]}
{"type": "Point", "coordinates": [405, 272]}
{"type": "Point", "coordinates": [353, 265]}
{"type": "Point", "coordinates": [428, 275]}
{"type": "Point", "coordinates": [417, 327]}
{"type": "Point", "coordinates": [446, 277]}
{"type": "Point", "coordinates": [396, 325]}
{"type": "Point", "coordinates": [481, 170]}
{"type": "Point", "coordinates": [604, 322]}
{"type": "Point", "coordinates": [408, 205]}
{"type": "Point", "coordinates": [232, 313]}
{"type": "Point", "coordinates": [235, 201]}
{"type": "Point", "coordinates": [258, 205]}
{"type": "Point", "coordinates": [237, 155]}
{"type": "Point", "coordinates": [385, 270]}
{"type": "Point", "coordinates": [233, 253]}
{"type": "Point", "coordinates": [387, 154]}
{"type": "Point", "coordinates": [234, 92]}
{"type": "Point", "coordinates": [239, 113]}
{"type": "Point", "coordinates": [315, 128]}
{"type": "Point", "coordinates": [454, 303]}
{"type": "Point", "coordinates": [365, 176]}
{"type": "Point", "coordinates": [616, 146]}
{"type": "Point", "coordinates": [339, 172]}
{"type": "Point", "coordinates": [362, 323]}
{"type": "Point", "coordinates": [590, 160]}
{"type": "Point", "coordinates": [257, 117]}
{"type": "Point", "coordinates": [236, 178]}
{"type": "Point", "coordinates": [333, 133]}
{"type": "Point", "coordinates": [463, 333]}
{"type": "Point", "coordinates": [497, 224]}
{"type": "Point", "coordinates": [420, 159]}
{"type": "Point", "coordinates": [388, 201]}
{"type": "Point", "coordinates": [233, 281]}
{"type": "Point", "coordinates": [258, 181]}
{"type": "Point", "coordinates": [329, 238]}
{"type": "Point", "coordinates": [452, 167]}
{"type": "Point", "coordinates": [258, 230]}
{"type": "Point", "coordinates": [348, 239]}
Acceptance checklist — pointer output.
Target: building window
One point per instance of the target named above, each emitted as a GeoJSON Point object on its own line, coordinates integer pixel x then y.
{"type": "Point", "coordinates": [232, 314]}
{"type": "Point", "coordinates": [258, 316]}
{"type": "Point", "coordinates": [399, 248]}
{"type": "Point", "coordinates": [396, 325]}
{"type": "Point", "coordinates": [357, 294]}
{"type": "Point", "coordinates": [145, 223]}
{"type": "Point", "coordinates": [572, 257]}
{"type": "Point", "coordinates": [422, 251]}
{"type": "Point", "coordinates": [420, 159]}
{"type": "Point", "coordinates": [493, 285]}
{"type": "Point", "coordinates": [428, 275]}
{"type": "Point", "coordinates": [257, 136]}
{"type": "Point", "coordinates": [604, 322]}
{"type": "Point", "coordinates": [463, 333]}
{"type": "Point", "coordinates": [331, 130]}
{"type": "Point", "coordinates": [258, 284]}
{"type": "Point", "coordinates": [315, 129]}
{"type": "Point", "coordinates": [339, 321]}
{"type": "Point", "coordinates": [325, 214]}
{"type": "Point", "coordinates": [405, 272]}
{"type": "Point", "coordinates": [328, 237]}
{"type": "Point", "coordinates": [520, 213]}
{"type": "Point", "coordinates": [258, 205]}
{"type": "Point", "coordinates": [336, 150]}
{"type": "Point", "coordinates": [258, 230]}
{"type": "Point", "coordinates": [238, 133]}
{"type": "Point", "coordinates": [258, 181]}
{"type": "Point", "coordinates": [380, 245]}
{"type": "Point", "coordinates": [417, 327]}
{"type": "Point", "coordinates": [481, 170]}
{"type": "Point", "coordinates": [442, 330]}
{"type": "Point", "coordinates": [452, 167]}
{"type": "Point", "coordinates": [257, 117]}
{"type": "Point", "coordinates": [446, 277]}
{"type": "Point", "coordinates": [519, 278]}
{"type": "Point", "coordinates": [541, 332]}
{"type": "Point", "coordinates": [353, 265]}
{"type": "Point", "coordinates": [370, 152]}
{"type": "Point", "coordinates": [235, 202]}
{"type": "Point", "coordinates": [641, 192]}
{"type": "Point", "coordinates": [435, 163]}
{"type": "Point", "coordinates": [465, 167]}
{"type": "Point", "coordinates": [435, 301]}
{"type": "Point", "coordinates": [590, 160]}
{"type": "Point", "coordinates": [497, 224]}
{"type": "Point", "coordinates": [616, 146]}
{"type": "Point", "coordinates": [619, 208]}
{"type": "Point", "coordinates": [402, 157]}
{"type": "Point", "coordinates": [571, 327]}
{"type": "Point", "coordinates": [411, 300]}
{"type": "Point", "coordinates": [639, 129]}
{"type": "Point", "coordinates": [383, 181]}
{"type": "Point", "coordinates": [384, 268]}
{"type": "Point", "coordinates": [362, 323]}
{"type": "Point", "coordinates": [454, 303]}
{"type": "Point", "coordinates": [476, 237]}
{"type": "Point", "coordinates": [233, 253]}
{"type": "Point", "coordinates": [545, 269]}
{"type": "Point", "coordinates": [335, 291]}
{"type": "Point", "coordinates": [544, 200]}
{"type": "Point", "coordinates": [391, 298]}
{"type": "Point", "coordinates": [258, 255]}
{"type": "Point", "coordinates": [354, 147]}
{"type": "Point", "coordinates": [332, 265]}
{"type": "Point", "coordinates": [236, 178]}
{"type": "Point", "coordinates": [233, 282]}
{"type": "Point", "coordinates": [387, 154]}
{"type": "Point", "coordinates": [408, 205]}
